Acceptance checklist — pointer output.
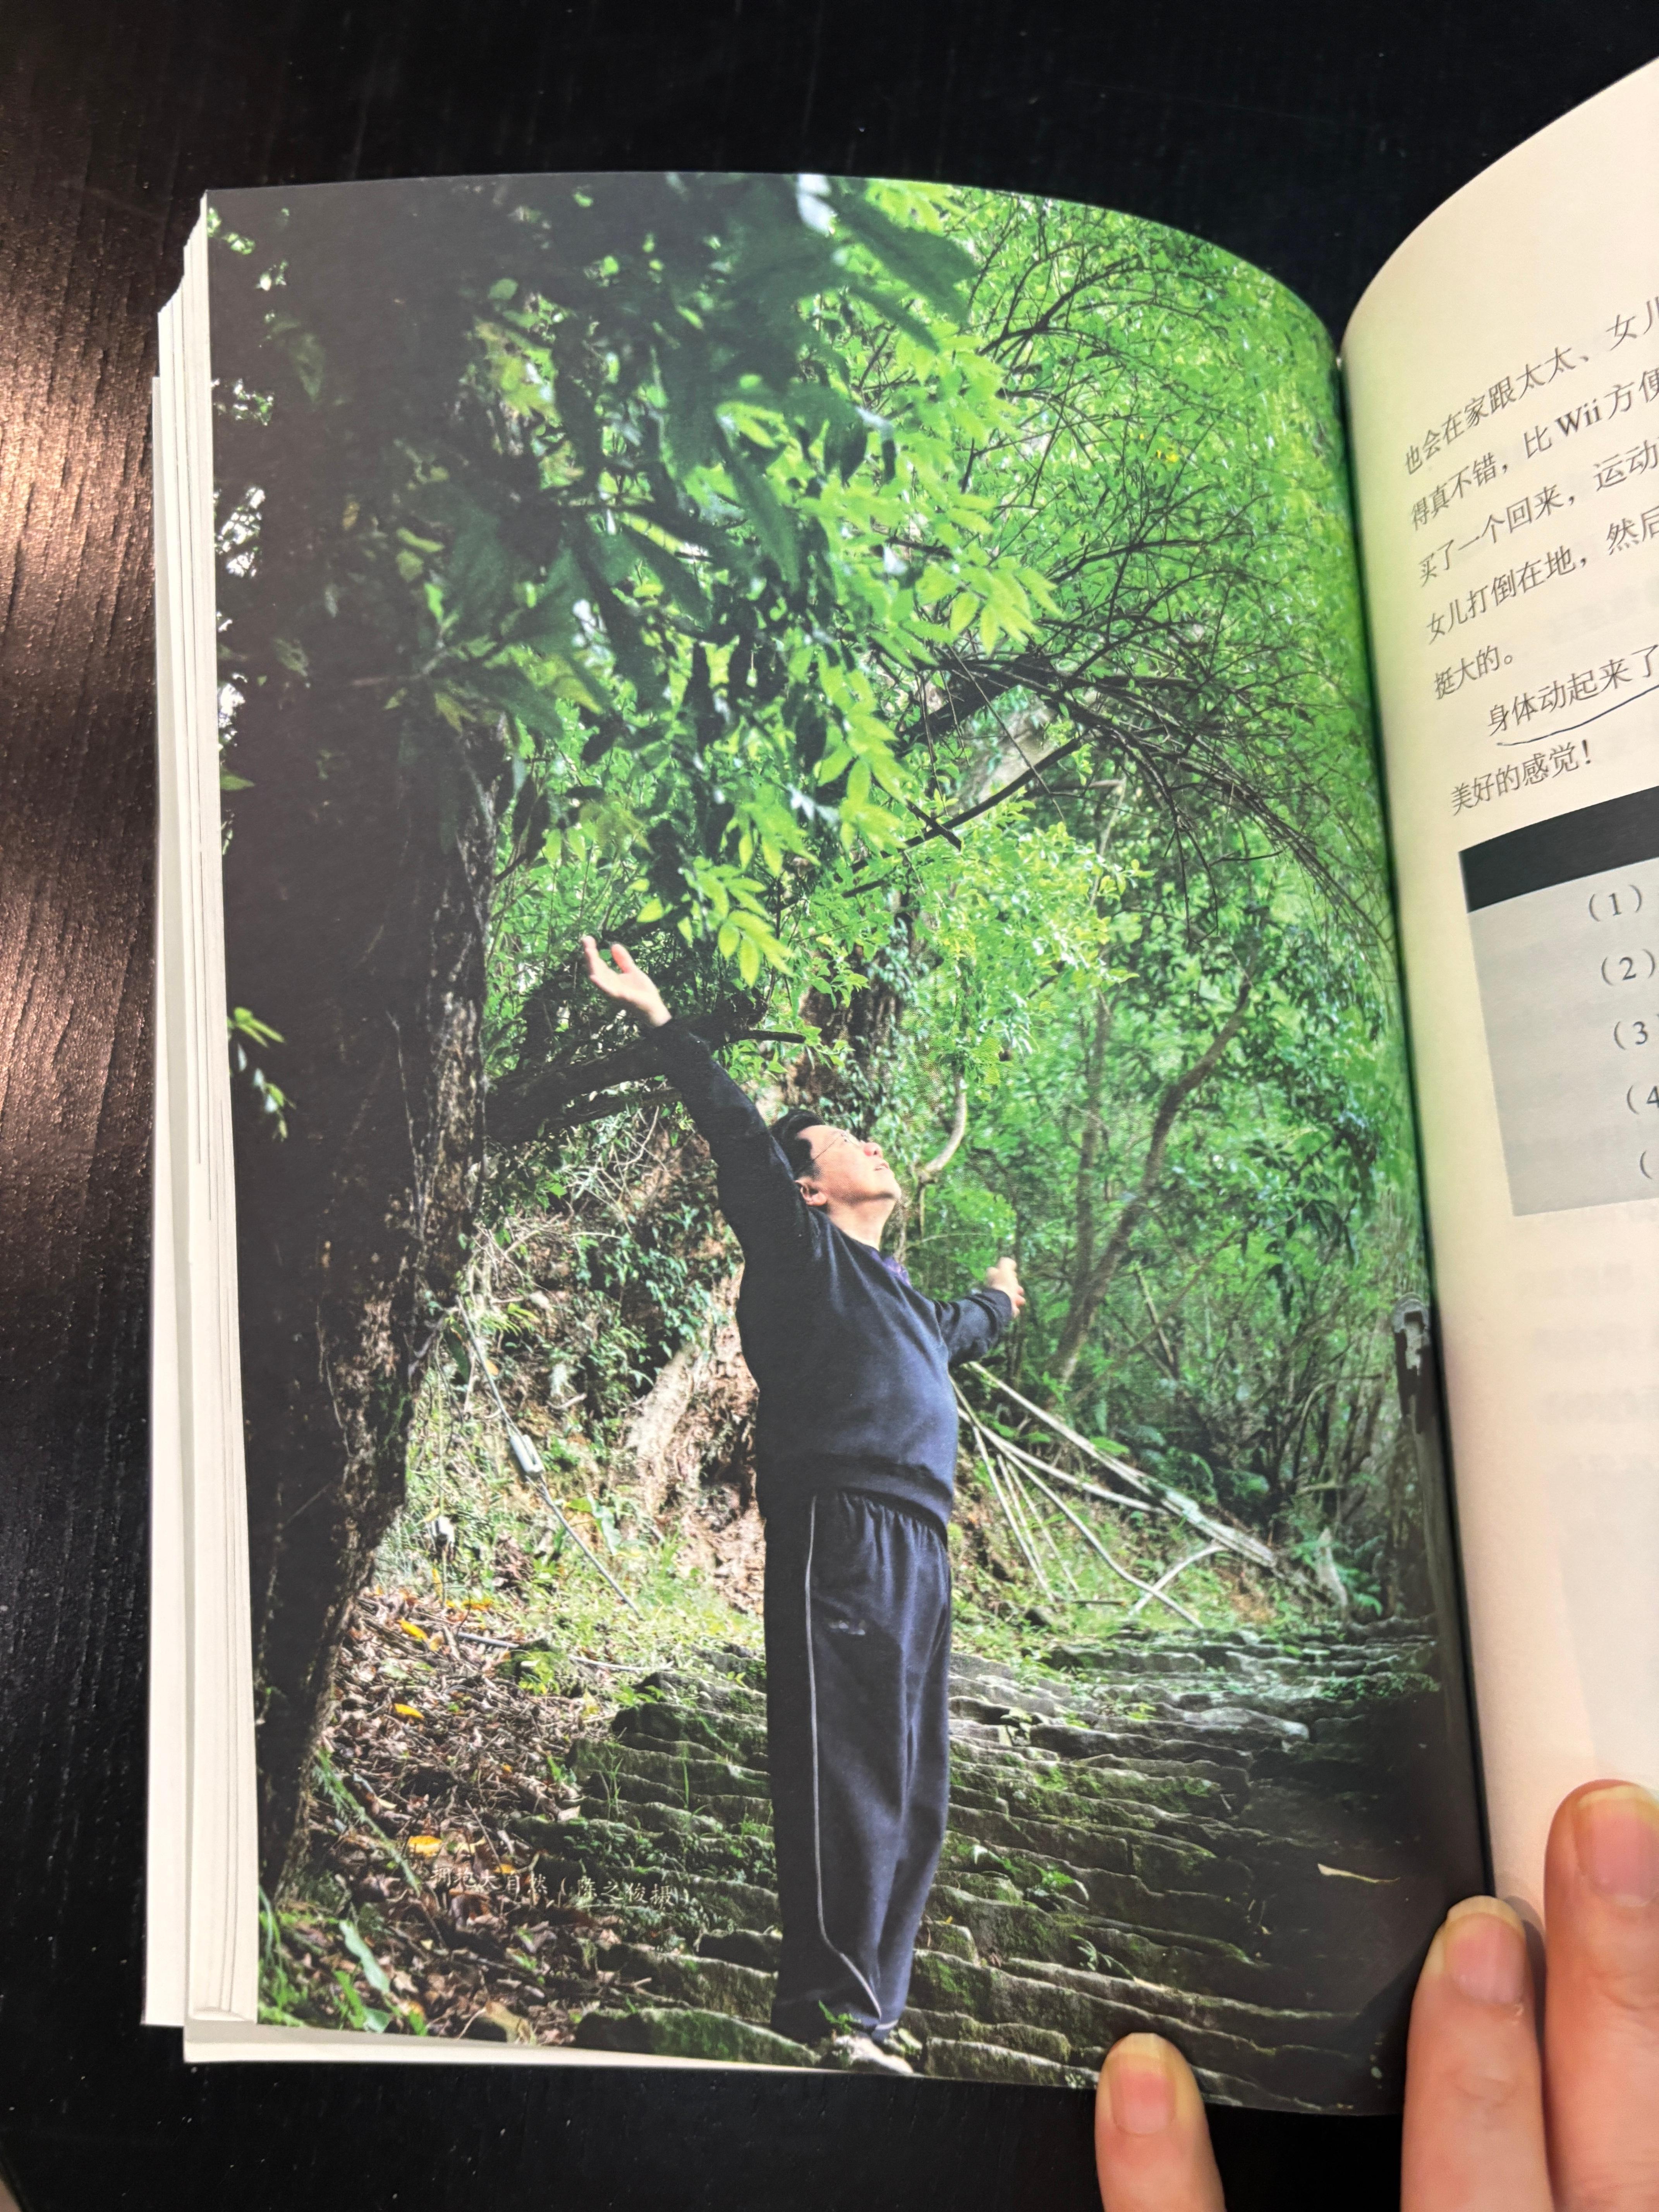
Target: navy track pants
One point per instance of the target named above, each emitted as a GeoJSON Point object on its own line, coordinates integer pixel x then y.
{"type": "Point", "coordinates": [858, 1660]}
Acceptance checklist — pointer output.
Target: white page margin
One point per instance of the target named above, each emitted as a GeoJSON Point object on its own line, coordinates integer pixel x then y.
{"type": "Point", "coordinates": [1550, 1322]}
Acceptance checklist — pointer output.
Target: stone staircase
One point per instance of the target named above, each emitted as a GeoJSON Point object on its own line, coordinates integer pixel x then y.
{"type": "Point", "coordinates": [1226, 1837]}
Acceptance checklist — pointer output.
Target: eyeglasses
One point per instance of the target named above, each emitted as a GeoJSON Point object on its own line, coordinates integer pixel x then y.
{"type": "Point", "coordinates": [845, 1137]}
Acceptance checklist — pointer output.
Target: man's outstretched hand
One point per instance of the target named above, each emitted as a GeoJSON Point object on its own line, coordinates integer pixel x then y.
{"type": "Point", "coordinates": [626, 984]}
{"type": "Point", "coordinates": [1004, 1277]}
{"type": "Point", "coordinates": [1478, 2090]}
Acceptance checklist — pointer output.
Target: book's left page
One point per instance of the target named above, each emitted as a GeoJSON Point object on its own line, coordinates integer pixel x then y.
{"type": "Point", "coordinates": [893, 1520]}
{"type": "Point", "coordinates": [200, 1949]}
{"type": "Point", "coordinates": [167, 1884]}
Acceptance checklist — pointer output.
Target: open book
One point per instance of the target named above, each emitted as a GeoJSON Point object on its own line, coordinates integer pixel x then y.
{"type": "Point", "coordinates": [935, 632]}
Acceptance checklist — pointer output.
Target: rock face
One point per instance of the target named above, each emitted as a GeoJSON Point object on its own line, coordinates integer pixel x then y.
{"type": "Point", "coordinates": [1241, 1843]}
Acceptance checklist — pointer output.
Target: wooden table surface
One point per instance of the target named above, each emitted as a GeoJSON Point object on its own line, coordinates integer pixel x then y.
{"type": "Point", "coordinates": [1309, 138]}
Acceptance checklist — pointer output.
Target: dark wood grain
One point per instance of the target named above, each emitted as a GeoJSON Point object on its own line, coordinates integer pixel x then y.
{"type": "Point", "coordinates": [1310, 142]}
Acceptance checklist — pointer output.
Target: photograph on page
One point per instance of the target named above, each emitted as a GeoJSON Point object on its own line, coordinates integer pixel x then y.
{"type": "Point", "coordinates": [842, 1457]}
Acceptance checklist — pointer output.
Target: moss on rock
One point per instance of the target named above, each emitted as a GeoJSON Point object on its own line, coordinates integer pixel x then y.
{"type": "Point", "coordinates": [665, 2032]}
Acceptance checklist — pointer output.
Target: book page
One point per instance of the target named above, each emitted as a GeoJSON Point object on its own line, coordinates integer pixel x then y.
{"type": "Point", "coordinates": [208, 1955]}
{"type": "Point", "coordinates": [922, 627]}
{"type": "Point", "coordinates": [1503, 382]}
{"type": "Point", "coordinates": [166, 1893]}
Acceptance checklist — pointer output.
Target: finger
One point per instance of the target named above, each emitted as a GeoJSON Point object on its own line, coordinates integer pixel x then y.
{"type": "Point", "coordinates": [1475, 2119]}
{"type": "Point", "coordinates": [1151, 2141]}
{"type": "Point", "coordinates": [1601, 2014]}
{"type": "Point", "coordinates": [624, 959]}
{"type": "Point", "coordinates": [591, 953]}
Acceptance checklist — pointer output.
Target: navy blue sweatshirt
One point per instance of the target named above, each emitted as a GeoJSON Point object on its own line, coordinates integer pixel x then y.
{"type": "Point", "coordinates": [851, 1361]}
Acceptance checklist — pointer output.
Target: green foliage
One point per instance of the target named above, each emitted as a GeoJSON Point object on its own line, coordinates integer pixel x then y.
{"type": "Point", "coordinates": [630, 567]}
{"type": "Point", "coordinates": [247, 1029]}
{"type": "Point", "coordinates": [859, 595]}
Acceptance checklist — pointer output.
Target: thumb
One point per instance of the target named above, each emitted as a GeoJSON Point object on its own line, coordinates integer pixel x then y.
{"type": "Point", "coordinates": [624, 959]}
{"type": "Point", "coordinates": [1152, 2147]}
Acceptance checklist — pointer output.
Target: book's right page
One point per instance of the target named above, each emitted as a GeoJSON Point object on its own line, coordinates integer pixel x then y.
{"type": "Point", "coordinates": [1504, 381]}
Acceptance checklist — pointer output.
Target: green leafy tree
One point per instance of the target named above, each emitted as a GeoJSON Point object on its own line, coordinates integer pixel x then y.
{"type": "Point", "coordinates": [553, 531]}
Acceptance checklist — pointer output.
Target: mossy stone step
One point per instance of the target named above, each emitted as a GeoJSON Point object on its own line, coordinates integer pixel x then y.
{"type": "Point", "coordinates": [985, 1683]}
{"type": "Point", "coordinates": [743, 1947]}
{"type": "Point", "coordinates": [1011, 2035]}
{"type": "Point", "coordinates": [682, 1978]}
{"type": "Point", "coordinates": [955, 1939]}
{"type": "Point", "coordinates": [994, 1995]}
{"type": "Point", "coordinates": [1003, 1760]}
{"type": "Point", "coordinates": [610, 1791]}
{"type": "Point", "coordinates": [1024, 1927]}
{"type": "Point", "coordinates": [675, 1819]}
{"type": "Point", "coordinates": [1160, 1861]}
{"type": "Point", "coordinates": [990, 2062]}
{"type": "Point", "coordinates": [963, 1792]}
{"type": "Point", "coordinates": [1159, 1786]}
{"type": "Point", "coordinates": [675, 1685]}
{"type": "Point", "coordinates": [1046, 1798]}
{"type": "Point", "coordinates": [662, 2032]}
{"type": "Point", "coordinates": [752, 1815]}
{"type": "Point", "coordinates": [1156, 1750]}
{"type": "Point", "coordinates": [741, 1903]}
{"type": "Point", "coordinates": [676, 1725]}
{"type": "Point", "coordinates": [978, 1882]}
{"type": "Point", "coordinates": [696, 1775]}
{"type": "Point", "coordinates": [1113, 1897]}
{"type": "Point", "coordinates": [1117, 1841]}
{"type": "Point", "coordinates": [1180, 1960]}
{"type": "Point", "coordinates": [1250, 2022]}
{"type": "Point", "coordinates": [979, 1732]}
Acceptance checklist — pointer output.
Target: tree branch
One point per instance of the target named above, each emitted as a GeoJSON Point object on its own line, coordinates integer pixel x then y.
{"type": "Point", "coordinates": [523, 1106]}
{"type": "Point", "coordinates": [1087, 1301]}
{"type": "Point", "coordinates": [941, 1160]}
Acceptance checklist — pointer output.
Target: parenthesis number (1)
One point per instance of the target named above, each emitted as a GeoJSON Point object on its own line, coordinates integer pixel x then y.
{"type": "Point", "coordinates": [1631, 892]}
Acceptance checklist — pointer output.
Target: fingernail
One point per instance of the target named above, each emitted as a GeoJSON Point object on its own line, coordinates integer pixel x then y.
{"type": "Point", "coordinates": [1140, 2080]}
{"type": "Point", "coordinates": [1615, 1829]}
{"type": "Point", "coordinates": [1485, 1952]}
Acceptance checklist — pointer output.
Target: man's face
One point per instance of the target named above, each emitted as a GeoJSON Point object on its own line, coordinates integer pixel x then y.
{"type": "Point", "coordinates": [844, 1170]}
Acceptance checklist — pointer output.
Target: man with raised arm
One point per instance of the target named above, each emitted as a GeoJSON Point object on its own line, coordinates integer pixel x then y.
{"type": "Point", "coordinates": [855, 1449]}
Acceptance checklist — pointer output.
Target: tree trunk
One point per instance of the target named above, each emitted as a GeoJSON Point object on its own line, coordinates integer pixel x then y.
{"type": "Point", "coordinates": [354, 927]}
{"type": "Point", "coordinates": [357, 888]}
{"type": "Point", "coordinates": [1092, 1286]}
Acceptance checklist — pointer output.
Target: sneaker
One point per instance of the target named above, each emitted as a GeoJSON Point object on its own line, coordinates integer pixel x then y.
{"type": "Point", "coordinates": [862, 2054]}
